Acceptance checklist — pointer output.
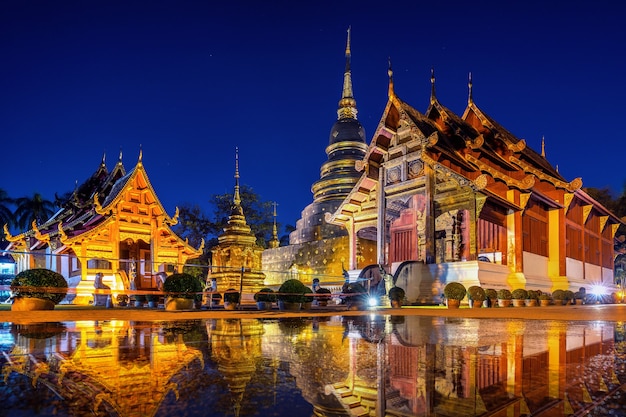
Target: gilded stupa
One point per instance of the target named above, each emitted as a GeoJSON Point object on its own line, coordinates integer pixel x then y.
{"type": "Point", "coordinates": [237, 257]}
{"type": "Point", "coordinates": [317, 247]}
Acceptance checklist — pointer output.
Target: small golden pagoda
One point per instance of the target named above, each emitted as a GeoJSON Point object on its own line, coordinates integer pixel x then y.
{"type": "Point", "coordinates": [237, 257]}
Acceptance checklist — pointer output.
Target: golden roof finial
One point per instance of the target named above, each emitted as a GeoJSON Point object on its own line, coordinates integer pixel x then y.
{"type": "Point", "coordinates": [543, 146]}
{"type": "Point", "coordinates": [274, 242]}
{"type": "Point", "coordinates": [236, 196]}
{"type": "Point", "coordinates": [140, 154]}
{"type": "Point", "coordinates": [104, 158]}
{"type": "Point", "coordinates": [347, 104]}
{"type": "Point", "coordinates": [119, 158]}
{"type": "Point", "coordinates": [470, 98]}
{"type": "Point", "coordinates": [432, 85]}
{"type": "Point", "coordinates": [390, 93]}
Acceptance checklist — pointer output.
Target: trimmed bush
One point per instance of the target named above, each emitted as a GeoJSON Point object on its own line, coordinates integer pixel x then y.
{"type": "Point", "coordinates": [182, 286]}
{"type": "Point", "coordinates": [504, 294]}
{"type": "Point", "coordinates": [231, 295]}
{"type": "Point", "coordinates": [476, 293]}
{"type": "Point", "coordinates": [265, 295]}
{"type": "Point", "coordinates": [396, 294]}
{"type": "Point", "coordinates": [291, 291]}
{"type": "Point", "coordinates": [39, 283]}
{"type": "Point", "coordinates": [454, 291]}
{"type": "Point", "coordinates": [559, 295]}
{"type": "Point", "coordinates": [519, 294]}
{"type": "Point", "coordinates": [533, 295]}
{"type": "Point", "coordinates": [491, 293]}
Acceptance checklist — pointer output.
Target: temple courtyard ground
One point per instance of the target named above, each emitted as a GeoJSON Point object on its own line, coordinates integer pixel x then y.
{"type": "Point", "coordinates": [599, 312]}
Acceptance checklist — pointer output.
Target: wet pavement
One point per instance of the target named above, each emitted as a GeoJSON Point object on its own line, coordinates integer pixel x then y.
{"type": "Point", "coordinates": [605, 312]}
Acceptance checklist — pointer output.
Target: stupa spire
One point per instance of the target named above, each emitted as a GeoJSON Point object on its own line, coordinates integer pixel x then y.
{"type": "Point", "coordinates": [274, 242]}
{"type": "Point", "coordinates": [543, 146]}
{"type": "Point", "coordinates": [347, 104]}
{"type": "Point", "coordinates": [433, 96]}
{"type": "Point", "coordinates": [390, 93]}
{"type": "Point", "coordinates": [470, 98]}
{"type": "Point", "coordinates": [236, 196]}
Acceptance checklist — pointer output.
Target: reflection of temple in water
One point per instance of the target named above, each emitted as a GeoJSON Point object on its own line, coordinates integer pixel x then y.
{"type": "Point", "coordinates": [110, 368]}
{"type": "Point", "coordinates": [363, 365]}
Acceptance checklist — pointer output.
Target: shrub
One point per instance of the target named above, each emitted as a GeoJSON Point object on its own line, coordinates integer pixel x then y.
{"type": "Point", "coordinates": [357, 293]}
{"type": "Point", "coordinates": [533, 295]}
{"type": "Point", "coordinates": [491, 293]}
{"type": "Point", "coordinates": [569, 295]}
{"type": "Point", "coordinates": [396, 294]}
{"type": "Point", "coordinates": [519, 294]}
{"type": "Point", "coordinates": [545, 296]}
{"type": "Point", "coordinates": [454, 291]}
{"type": "Point", "coordinates": [579, 295]}
{"type": "Point", "coordinates": [291, 291]}
{"type": "Point", "coordinates": [231, 295]}
{"type": "Point", "coordinates": [323, 294]}
{"type": "Point", "coordinates": [504, 294]}
{"type": "Point", "coordinates": [476, 293]}
{"type": "Point", "coordinates": [39, 283]}
{"type": "Point", "coordinates": [182, 286]}
{"type": "Point", "coordinates": [308, 298]}
{"type": "Point", "coordinates": [265, 295]}
{"type": "Point", "coordinates": [559, 295]}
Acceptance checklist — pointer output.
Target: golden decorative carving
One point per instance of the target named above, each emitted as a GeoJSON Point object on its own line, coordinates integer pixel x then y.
{"type": "Point", "coordinates": [517, 147]}
{"type": "Point", "coordinates": [173, 221]}
{"type": "Point", "coordinates": [10, 237]}
{"type": "Point", "coordinates": [615, 226]}
{"type": "Point", "coordinates": [586, 212]}
{"type": "Point", "coordinates": [567, 199]}
{"type": "Point", "coordinates": [481, 181]}
{"type": "Point", "coordinates": [526, 183]}
{"type": "Point", "coordinates": [573, 185]}
{"type": "Point", "coordinates": [432, 139]}
{"type": "Point", "coordinates": [97, 205]}
{"type": "Point", "coordinates": [40, 237]}
{"type": "Point", "coordinates": [416, 168]}
{"type": "Point", "coordinates": [360, 165]}
{"type": "Point", "coordinates": [603, 220]}
{"type": "Point", "coordinates": [523, 199]}
{"type": "Point", "coordinates": [480, 203]}
{"type": "Point", "coordinates": [476, 143]}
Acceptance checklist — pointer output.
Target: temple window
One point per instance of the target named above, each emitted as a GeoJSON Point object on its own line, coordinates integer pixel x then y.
{"type": "Point", "coordinates": [535, 228]}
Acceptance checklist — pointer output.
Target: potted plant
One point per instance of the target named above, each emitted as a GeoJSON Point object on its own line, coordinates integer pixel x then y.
{"type": "Point", "coordinates": [355, 296]}
{"type": "Point", "coordinates": [532, 299]}
{"type": "Point", "coordinates": [290, 294]}
{"type": "Point", "coordinates": [308, 298]}
{"type": "Point", "coordinates": [559, 297]}
{"type": "Point", "coordinates": [231, 299]}
{"type": "Point", "coordinates": [322, 296]}
{"type": "Point", "coordinates": [519, 297]}
{"type": "Point", "coordinates": [216, 298]}
{"type": "Point", "coordinates": [504, 297]}
{"type": "Point", "coordinates": [396, 297]}
{"type": "Point", "coordinates": [180, 291]}
{"type": "Point", "coordinates": [37, 289]}
{"type": "Point", "coordinates": [579, 298]}
{"type": "Point", "coordinates": [264, 298]}
{"type": "Point", "coordinates": [545, 299]}
{"type": "Point", "coordinates": [122, 300]}
{"type": "Point", "coordinates": [138, 300]}
{"type": "Point", "coordinates": [476, 295]}
{"type": "Point", "coordinates": [492, 296]}
{"type": "Point", "coordinates": [569, 296]}
{"type": "Point", "coordinates": [454, 293]}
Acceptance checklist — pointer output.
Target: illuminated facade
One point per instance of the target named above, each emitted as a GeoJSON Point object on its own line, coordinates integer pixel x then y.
{"type": "Point", "coordinates": [113, 223]}
{"type": "Point", "coordinates": [317, 247]}
{"type": "Point", "coordinates": [461, 199]}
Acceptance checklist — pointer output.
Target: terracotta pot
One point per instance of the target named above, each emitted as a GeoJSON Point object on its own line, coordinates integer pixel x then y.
{"type": "Point", "coordinates": [451, 303]}
{"type": "Point", "coordinates": [31, 304]}
{"type": "Point", "coordinates": [519, 303]}
{"type": "Point", "coordinates": [531, 302]}
{"type": "Point", "coordinates": [172, 303]}
{"type": "Point", "coordinates": [544, 303]}
{"type": "Point", "coordinates": [477, 304]}
{"type": "Point", "coordinates": [230, 306]}
{"type": "Point", "coordinates": [503, 302]}
{"type": "Point", "coordinates": [396, 303]}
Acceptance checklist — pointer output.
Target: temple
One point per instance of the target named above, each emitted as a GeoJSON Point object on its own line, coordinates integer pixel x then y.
{"type": "Point", "coordinates": [113, 224]}
{"type": "Point", "coordinates": [237, 257]}
{"type": "Point", "coordinates": [459, 198]}
{"type": "Point", "coordinates": [317, 247]}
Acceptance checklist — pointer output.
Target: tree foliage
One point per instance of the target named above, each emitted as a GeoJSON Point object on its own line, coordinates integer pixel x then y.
{"type": "Point", "coordinates": [32, 208]}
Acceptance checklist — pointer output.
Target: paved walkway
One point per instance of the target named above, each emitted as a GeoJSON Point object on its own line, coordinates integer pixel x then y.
{"type": "Point", "coordinates": [603, 312]}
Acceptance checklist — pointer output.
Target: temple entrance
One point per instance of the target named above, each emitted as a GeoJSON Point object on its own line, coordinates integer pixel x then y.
{"type": "Point", "coordinates": [136, 261]}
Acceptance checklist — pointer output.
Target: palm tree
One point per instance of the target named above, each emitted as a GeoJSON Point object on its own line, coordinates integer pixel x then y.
{"type": "Point", "coordinates": [6, 215]}
{"type": "Point", "coordinates": [32, 208]}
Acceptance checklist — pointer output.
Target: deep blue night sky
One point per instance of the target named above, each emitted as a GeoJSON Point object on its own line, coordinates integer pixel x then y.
{"type": "Point", "coordinates": [189, 81]}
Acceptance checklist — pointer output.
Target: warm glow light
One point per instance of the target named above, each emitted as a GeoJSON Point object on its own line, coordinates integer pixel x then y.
{"type": "Point", "coordinates": [598, 289]}
{"type": "Point", "coordinates": [372, 301]}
